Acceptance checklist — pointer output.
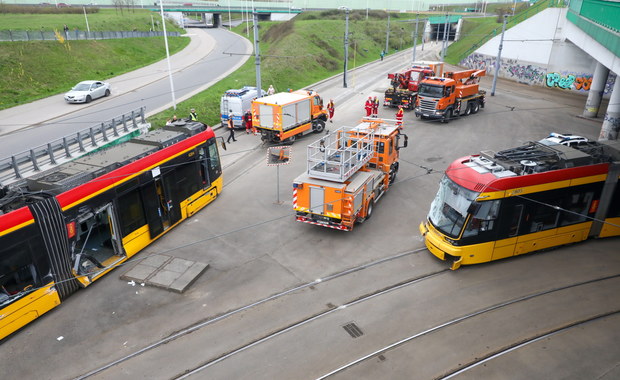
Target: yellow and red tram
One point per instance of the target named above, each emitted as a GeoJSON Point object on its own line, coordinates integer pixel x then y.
{"type": "Point", "coordinates": [69, 225]}
{"type": "Point", "coordinates": [537, 196]}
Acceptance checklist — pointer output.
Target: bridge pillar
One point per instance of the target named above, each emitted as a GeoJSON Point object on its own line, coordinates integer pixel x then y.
{"type": "Point", "coordinates": [611, 124]}
{"type": "Point", "coordinates": [597, 88]}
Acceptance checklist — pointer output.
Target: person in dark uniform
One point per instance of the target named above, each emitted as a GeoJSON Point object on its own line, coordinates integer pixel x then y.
{"type": "Point", "coordinates": [231, 129]}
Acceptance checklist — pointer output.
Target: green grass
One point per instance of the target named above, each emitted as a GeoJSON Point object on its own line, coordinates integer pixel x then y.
{"type": "Point", "coordinates": [37, 69]}
{"type": "Point", "coordinates": [298, 53]}
{"type": "Point", "coordinates": [103, 20]}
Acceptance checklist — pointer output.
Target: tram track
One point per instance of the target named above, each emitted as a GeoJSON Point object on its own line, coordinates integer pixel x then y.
{"type": "Point", "coordinates": [452, 372]}
{"type": "Point", "coordinates": [197, 326]}
{"type": "Point", "coordinates": [517, 345]}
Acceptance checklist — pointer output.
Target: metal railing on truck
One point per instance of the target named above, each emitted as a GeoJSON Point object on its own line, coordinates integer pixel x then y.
{"type": "Point", "coordinates": [340, 154]}
{"type": "Point", "coordinates": [22, 165]}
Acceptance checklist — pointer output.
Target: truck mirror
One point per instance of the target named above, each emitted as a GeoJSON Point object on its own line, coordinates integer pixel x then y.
{"type": "Point", "coordinates": [405, 143]}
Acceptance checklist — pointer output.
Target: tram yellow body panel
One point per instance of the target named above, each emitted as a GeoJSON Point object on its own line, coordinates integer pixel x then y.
{"type": "Point", "coordinates": [610, 228]}
{"type": "Point", "coordinates": [27, 309]}
{"type": "Point", "coordinates": [495, 250]}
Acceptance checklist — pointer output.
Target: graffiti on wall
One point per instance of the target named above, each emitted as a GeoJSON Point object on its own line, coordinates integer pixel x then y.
{"type": "Point", "coordinates": [510, 68]}
{"type": "Point", "coordinates": [536, 75]}
{"type": "Point", "coordinates": [569, 81]}
{"type": "Point", "coordinates": [529, 74]}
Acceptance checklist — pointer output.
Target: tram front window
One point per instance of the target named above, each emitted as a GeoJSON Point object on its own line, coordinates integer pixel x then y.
{"type": "Point", "coordinates": [449, 208]}
{"type": "Point", "coordinates": [483, 219]}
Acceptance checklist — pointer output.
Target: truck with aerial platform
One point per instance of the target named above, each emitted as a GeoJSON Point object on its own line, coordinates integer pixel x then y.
{"type": "Point", "coordinates": [348, 171]}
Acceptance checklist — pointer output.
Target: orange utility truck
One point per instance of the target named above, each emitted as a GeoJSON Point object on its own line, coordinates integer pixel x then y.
{"type": "Point", "coordinates": [405, 84]}
{"type": "Point", "coordinates": [287, 115]}
{"type": "Point", "coordinates": [348, 171]}
{"type": "Point", "coordinates": [454, 95]}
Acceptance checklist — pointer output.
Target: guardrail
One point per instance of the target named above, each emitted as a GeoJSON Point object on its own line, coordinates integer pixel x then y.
{"type": "Point", "coordinates": [20, 166]}
{"type": "Point", "coordinates": [73, 35]}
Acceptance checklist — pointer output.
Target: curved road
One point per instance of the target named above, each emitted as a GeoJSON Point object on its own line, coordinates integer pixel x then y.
{"type": "Point", "coordinates": [197, 67]}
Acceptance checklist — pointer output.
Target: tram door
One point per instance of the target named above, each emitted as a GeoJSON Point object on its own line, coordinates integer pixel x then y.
{"type": "Point", "coordinates": [97, 244]}
{"type": "Point", "coordinates": [162, 211]}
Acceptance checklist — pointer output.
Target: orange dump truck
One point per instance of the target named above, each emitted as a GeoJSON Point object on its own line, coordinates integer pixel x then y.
{"type": "Point", "coordinates": [456, 94]}
{"type": "Point", "coordinates": [287, 115]}
{"type": "Point", "coordinates": [348, 171]}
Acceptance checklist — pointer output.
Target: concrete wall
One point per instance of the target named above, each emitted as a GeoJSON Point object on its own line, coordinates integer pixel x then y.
{"type": "Point", "coordinates": [537, 52]}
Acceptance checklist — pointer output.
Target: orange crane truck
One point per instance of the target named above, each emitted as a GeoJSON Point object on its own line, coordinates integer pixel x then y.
{"type": "Point", "coordinates": [287, 115]}
{"type": "Point", "coordinates": [347, 172]}
{"type": "Point", "coordinates": [405, 84]}
{"type": "Point", "coordinates": [454, 95]}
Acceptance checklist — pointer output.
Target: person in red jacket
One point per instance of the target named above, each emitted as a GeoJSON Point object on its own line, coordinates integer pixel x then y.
{"type": "Point", "coordinates": [368, 106]}
{"type": "Point", "coordinates": [375, 107]}
{"type": "Point", "coordinates": [399, 117]}
{"type": "Point", "coordinates": [247, 118]}
{"type": "Point", "coordinates": [331, 107]}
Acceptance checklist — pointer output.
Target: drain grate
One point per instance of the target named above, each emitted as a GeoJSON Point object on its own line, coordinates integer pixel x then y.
{"type": "Point", "coordinates": [353, 330]}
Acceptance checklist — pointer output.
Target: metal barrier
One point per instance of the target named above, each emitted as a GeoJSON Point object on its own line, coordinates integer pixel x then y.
{"type": "Point", "coordinates": [73, 35]}
{"type": "Point", "coordinates": [15, 168]}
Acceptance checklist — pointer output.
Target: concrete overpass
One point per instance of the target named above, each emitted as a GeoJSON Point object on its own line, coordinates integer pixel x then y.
{"type": "Point", "coordinates": [211, 16]}
{"type": "Point", "coordinates": [571, 49]}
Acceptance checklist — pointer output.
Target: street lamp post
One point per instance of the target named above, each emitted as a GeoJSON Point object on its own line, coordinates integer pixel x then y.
{"type": "Point", "coordinates": [346, 44]}
{"type": "Point", "coordinates": [163, 21]}
{"type": "Point", "coordinates": [499, 56]}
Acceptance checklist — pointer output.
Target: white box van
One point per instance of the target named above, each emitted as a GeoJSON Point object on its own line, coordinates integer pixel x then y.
{"type": "Point", "coordinates": [237, 102]}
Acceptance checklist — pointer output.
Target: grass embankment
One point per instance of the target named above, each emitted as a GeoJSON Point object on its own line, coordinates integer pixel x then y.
{"type": "Point", "coordinates": [37, 69]}
{"type": "Point", "coordinates": [101, 20]}
{"type": "Point", "coordinates": [302, 51]}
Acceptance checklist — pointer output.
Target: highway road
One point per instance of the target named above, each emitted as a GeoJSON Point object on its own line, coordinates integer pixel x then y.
{"type": "Point", "coordinates": [287, 300]}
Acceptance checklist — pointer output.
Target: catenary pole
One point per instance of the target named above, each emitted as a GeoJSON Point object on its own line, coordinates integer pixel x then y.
{"type": "Point", "coordinates": [498, 61]}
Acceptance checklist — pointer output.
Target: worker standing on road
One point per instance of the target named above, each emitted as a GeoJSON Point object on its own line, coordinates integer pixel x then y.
{"type": "Point", "coordinates": [247, 119]}
{"type": "Point", "coordinates": [231, 129]}
{"type": "Point", "coordinates": [192, 115]}
{"type": "Point", "coordinates": [399, 117]}
{"type": "Point", "coordinates": [271, 90]}
{"type": "Point", "coordinates": [331, 107]}
{"type": "Point", "coordinates": [368, 106]}
{"type": "Point", "coordinates": [375, 107]}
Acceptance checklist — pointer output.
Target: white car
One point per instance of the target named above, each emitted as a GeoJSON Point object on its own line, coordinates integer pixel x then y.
{"type": "Point", "coordinates": [563, 139]}
{"type": "Point", "coordinates": [88, 90]}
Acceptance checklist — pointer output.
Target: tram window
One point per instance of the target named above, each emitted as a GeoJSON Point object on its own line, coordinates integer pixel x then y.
{"type": "Point", "coordinates": [131, 212]}
{"type": "Point", "coordinates": [483, 220]}
{"type": "Point", "coordinates": [614, 207]}
{"type": "Point", "coordinates": [213, 162]}
{"type": "Point", "coordinates": [18, 271]}
{"type": "Point", "coordinates": [545, 216]}
{"type": "Point", "coordinates": [576, 206]}
{"type": "Point", "coordinates": [187, 178]}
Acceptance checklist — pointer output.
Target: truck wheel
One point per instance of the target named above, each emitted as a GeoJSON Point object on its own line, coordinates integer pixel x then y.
{"type": "Point", "coordinates": [475, 107]}
{"type": "Point", "coordinates": [393, 172]}
{"type": "Point", "coordinates": [369, 210]}
{"type": "Point", "coordinates": [446, 116]}
{"type": "Point", "coordinates": [319, 126]}
{"type": "Point", "coordinates": [292, 139]}
{"type": "Point", "coordinates": [468, 109]}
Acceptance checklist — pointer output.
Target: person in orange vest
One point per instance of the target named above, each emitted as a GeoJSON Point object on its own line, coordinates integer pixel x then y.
{"type": "Point", "coordinates": [375, 107]}
{"type": "Point", "coordinates": [399, 117]}
{"type": "Point", "coordinates": [368, 106]}
{"type": "Point", "coordinates": [330, 109]}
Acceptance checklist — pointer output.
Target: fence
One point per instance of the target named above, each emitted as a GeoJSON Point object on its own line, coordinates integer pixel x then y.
{"type": "Point", "coordinates": [38, 159]}
{"type": "Point", "coordinates": [73, 35]}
